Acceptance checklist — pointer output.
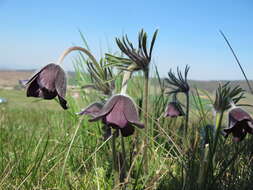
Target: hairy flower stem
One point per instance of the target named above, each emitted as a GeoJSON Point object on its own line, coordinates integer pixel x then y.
{"type": "Point", "coordinates": [219, 117]}
{"type": "Point", "coordinates": [212, 150]}
{"type": "Point", "coordinates": [115, 159]}
{"type": "Point", "coordinates": [126, 77]}
{"type": "Point", "coordinates": [187, 112]}
{"type": "Point", "coordinates": [145, 154]}
{"type": "Point", "coordinates": [76, 48]}
{"type": "Point", "coordinates": [123, 167]}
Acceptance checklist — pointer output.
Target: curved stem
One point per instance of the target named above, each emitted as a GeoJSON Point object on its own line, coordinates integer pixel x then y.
{"type": "Point", "coordinates": [76, 48]}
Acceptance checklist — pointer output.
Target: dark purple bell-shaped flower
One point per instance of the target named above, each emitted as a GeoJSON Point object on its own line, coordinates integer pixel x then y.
{"type": "Point", "coordinates": [239, 124]}
{"type": "Point", "coordinates": [120, 113]}
{"type": "Point", "coordinates": [48, 83]}
{"type": "Point", "coordinates": [174, 109]}
{"type": "Point", "coordinates": [92, 109]}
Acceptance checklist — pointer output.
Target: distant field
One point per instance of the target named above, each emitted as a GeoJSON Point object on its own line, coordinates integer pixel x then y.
{"type": "Point", "coordinates": [9, 79]}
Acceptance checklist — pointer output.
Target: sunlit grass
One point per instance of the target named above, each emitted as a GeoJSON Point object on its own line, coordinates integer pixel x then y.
{"type": "Point", "coordinates": [35, 138]}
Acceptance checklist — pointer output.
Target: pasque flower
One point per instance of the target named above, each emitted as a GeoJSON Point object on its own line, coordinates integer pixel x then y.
{"type": "Point", "coordinates": [174, 109]}
{"type": "Point", "coordinates": [119, 113]}
{"type": "Point", "coordinates": [179, 84]}
{"type": "Point", "coordinates": [239, 124]}
{"type": "Point", "coordinates": [48, 83]}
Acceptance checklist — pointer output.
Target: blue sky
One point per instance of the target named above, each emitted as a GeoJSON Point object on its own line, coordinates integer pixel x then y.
{"type": "Point", "coordinates": [34, 33]}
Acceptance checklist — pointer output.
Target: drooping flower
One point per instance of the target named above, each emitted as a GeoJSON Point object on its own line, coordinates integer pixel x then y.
{"type": "Point", "coordinates": [239, 124]}
{"type": "Point", "coordinates": [119, 113]}
{"type": "Point", "coordinates": [174, 109]}
{"type": "Point", "coordinates": [48, 83]}
{"type": "Point", "coordinates": [92, 109]}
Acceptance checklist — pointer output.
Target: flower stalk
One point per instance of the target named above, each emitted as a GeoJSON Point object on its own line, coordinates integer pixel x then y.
{"type": "Point", "coordinates": [179, 84]}
{"type": "Point", "coordinates": [187, 112]}
{"type": "Point", "coordinates": [76, 48]}
{"type": "Point", "coordinates": [146, 87]}
{"type": "Point", "coordinates": [123, 166]}
{"type": "Point", "coordinates": [139, 58]}
{"type": "Point", "coordinates": [126, 77]}
{"type": "Point", "coordinates": [219, 117]}
{"type": "Point", "coordinates": [115, 159]}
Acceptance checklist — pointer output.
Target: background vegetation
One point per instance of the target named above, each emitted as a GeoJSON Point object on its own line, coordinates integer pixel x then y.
{"type": "Point", "coordinates": [44, 147]}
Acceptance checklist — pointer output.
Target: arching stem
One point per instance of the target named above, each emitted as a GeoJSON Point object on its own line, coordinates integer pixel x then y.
{"type": "Point", "coordinates": [76, 48]}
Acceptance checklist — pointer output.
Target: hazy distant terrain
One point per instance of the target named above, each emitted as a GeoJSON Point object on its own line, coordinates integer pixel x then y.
{"type": "Point", "coordinates": [9, 79]}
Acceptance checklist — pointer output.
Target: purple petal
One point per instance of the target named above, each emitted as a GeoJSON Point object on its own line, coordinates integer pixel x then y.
{"type": "Point", "coordinates": [63, 102]}
{"type": "Point", "coordinates": [173, 109]}
{"type": "Point", "coordinates": [92, 109]}
{"type": "Point", "coordinates": [238, 119]}
{"type": "Point", "coordinates": [237, 137]}
{"type": "Point", "coordinates": [47, 77]}
{"type": "Point", "coordinates": [127, 131]}
{"type": "Point", "coordinates": [250, 127]}
{"type": "Point", "coordinates": [227, 131]}
{"type": "Point", "coordinates": [130, 112]}
{"type": "Point", "coordinates": [60, 82]}
{"type": "Point", "coordinates": [23, 82]}
{"type": "Point", "coordinates": [107, 108]}
{"type": "Point", "coordinates": [236, 116]}
{"type": "Point", "coordinates": [33, 89]}
{"type": "Point", "coordinates": [42, 83]}
{"type": "Point", "coordinates": [34, 76]}
{"type": "Point", "coordinates": [116, 115]}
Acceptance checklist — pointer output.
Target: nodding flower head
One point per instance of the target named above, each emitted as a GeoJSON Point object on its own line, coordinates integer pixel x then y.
{"type": "Point", "coordinates": [119, 112]}
{"type": "Point", "coordinates": [48, 83]}
{"type": "Point", "coordinates": [174, 109]}
{"type": "Point", "coordinates": [239, 124]}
